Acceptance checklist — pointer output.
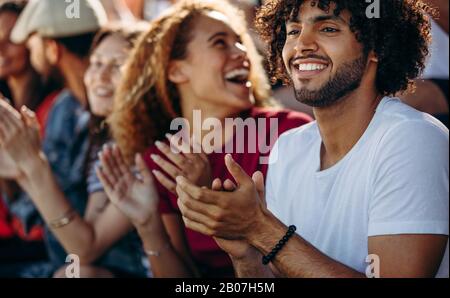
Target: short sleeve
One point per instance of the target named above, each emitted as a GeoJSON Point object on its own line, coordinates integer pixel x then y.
{"type": "Point", "coordinates": [93, 182]}
{"type": "Point", "coordinates": [410, 182]}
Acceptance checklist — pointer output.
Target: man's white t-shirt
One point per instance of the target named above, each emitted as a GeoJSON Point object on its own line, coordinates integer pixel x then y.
{"type": "Point", "coordinates": [395, 180]}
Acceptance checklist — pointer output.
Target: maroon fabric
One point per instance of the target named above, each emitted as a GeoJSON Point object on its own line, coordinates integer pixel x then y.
{"type": "Point", "coordinates": [6, 231]}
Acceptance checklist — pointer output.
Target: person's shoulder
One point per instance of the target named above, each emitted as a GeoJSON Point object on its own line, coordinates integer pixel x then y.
{"type": "Point", "coordinates": [293, 146]}
{"type": "Point", "coordinates": [407, 133]}
{"type": "Point", "coordinates": [65, 95]}
{"type": "Point", "coordinates": [299, 138]}
{"type": "Point", "coordinates": [65, 102]}
{"type": "Point", "coordinates": [281, 114]}
{"type": "Point", "coordinates": [400, 119]}
{"type": "Point", "coordinates": [66, 117]}
{"type": "Point", "coordinates": [286, 119]}
{"type": "Point", "coordinates": [307, 131]}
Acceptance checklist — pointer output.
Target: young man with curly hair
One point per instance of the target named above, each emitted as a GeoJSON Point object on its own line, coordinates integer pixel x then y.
{"type": "Point", "coordinates": [366, 185]}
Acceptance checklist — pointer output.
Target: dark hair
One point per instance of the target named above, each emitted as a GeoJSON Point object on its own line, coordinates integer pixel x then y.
{"type": "Point", "coordinates": [129, 34]}
{"type": "Point", "coordinates": [79, 45]}
{"type": "Point", "coordinates": [15, 7]}
{"type": "Point", "coordinates": [400, 37]}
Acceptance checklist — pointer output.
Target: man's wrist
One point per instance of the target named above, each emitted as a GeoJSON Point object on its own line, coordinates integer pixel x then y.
{"type": "Point", "coordinates": [266, 233]}
{"type": "Point", "coordinates": [250, 256]}
{"type": "Point", "coordinates": [250, 266]}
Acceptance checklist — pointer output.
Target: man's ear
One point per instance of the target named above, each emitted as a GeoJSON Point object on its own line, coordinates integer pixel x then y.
{"type": "Point", "coordinates": [373, 57]}
{"type": "Point", "coordinates": [177, 72]}
{"type": "Point", "coordinates": [53, 51]}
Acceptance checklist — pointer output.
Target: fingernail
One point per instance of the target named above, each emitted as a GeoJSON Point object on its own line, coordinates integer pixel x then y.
{"type": "Point", "coordinates": [154, 157]}
{"type": "Point", "coordinates": [159, 144]}
{"type": "Point", "coordinates": [179, 179]}
{"type": "Point", "coordinates": [155, 172]}
{"type": "Point", "coordinates": [168, 135]}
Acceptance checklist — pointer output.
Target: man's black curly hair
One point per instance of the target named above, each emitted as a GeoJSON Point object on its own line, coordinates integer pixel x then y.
{"type": "Point", "coordinates": [400, 37]}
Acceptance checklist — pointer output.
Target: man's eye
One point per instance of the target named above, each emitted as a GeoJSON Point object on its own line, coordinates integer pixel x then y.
{"type": "Point", "coordinates": [329, 30]}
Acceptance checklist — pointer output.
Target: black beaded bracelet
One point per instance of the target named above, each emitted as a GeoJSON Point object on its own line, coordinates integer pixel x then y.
{"type": "Point", "coordinates": [267, 259]}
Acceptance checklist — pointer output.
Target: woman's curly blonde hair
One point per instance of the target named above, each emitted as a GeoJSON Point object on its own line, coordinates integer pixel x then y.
{"type": "Point", "coordinates": [146, 101]}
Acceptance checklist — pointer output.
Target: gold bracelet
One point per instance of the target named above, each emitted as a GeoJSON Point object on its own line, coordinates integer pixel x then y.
{"type": "Point", "coordinates": [63, 220]}
{"type": "Point", "coordinates": [156, 253]}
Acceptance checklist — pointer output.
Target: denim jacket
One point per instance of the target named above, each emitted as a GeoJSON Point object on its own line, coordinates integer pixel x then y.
{"type": "Point", "coordinates": [66, 145]}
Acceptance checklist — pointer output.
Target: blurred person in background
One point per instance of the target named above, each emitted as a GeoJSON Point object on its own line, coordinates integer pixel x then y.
{"type": "Point", "coordinates": [60, 46]}
{"type": "Point", "coordinates": [148, 9]}
{"type": "Point", "coordinates": [118, 11]}
{"type": "Point", "coordinates": [24, 86]}
{"type": "Point", "coordinates": [101, 235]}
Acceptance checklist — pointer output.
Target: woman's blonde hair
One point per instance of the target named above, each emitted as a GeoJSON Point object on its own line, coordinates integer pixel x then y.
{"type": "Point", "coordinates": [146, 101]}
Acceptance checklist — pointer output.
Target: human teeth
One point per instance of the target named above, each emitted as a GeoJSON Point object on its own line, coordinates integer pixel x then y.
{"type": "Point", "coordinates": [311, 67]}
{"type": "Point", "coordinates": [237, 73]}
{"type": "Point", "coordinates": [103, 91]}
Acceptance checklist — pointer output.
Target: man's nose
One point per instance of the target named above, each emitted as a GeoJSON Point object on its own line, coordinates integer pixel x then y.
{"type": "Point", "coordinates": [306, 42]}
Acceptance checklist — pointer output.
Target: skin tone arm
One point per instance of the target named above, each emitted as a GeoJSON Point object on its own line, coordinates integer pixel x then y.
{"type": "Point", "coordinates": [196, 167]}
{"type": "Point", "coordinates": [8, 170]}
{"type": "Point", "coordinates": [241, 252]}
{"type": "Point", "coordinates": [137, 198]}
{"type": "Point", "coordinates": [87, 237]}
{"type": "Point", "coordinates": [242, 215]}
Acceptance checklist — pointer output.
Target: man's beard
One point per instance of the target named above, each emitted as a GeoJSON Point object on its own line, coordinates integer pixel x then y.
{"type": "Point", "coordinates": [347, 79]}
